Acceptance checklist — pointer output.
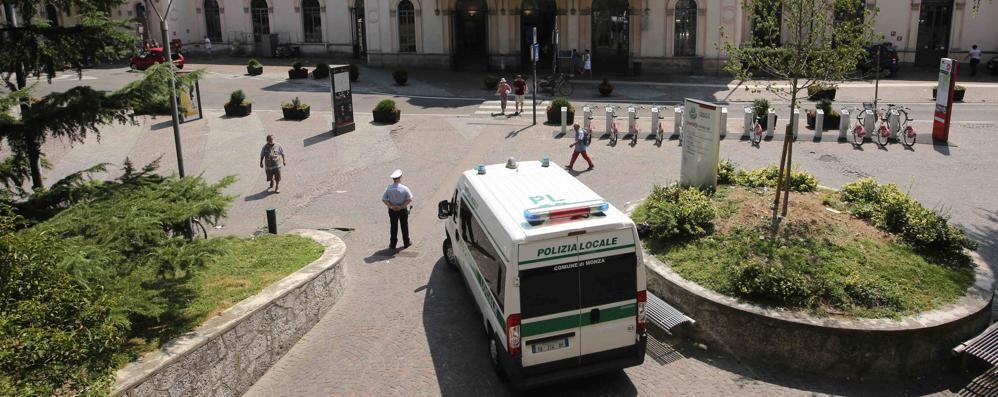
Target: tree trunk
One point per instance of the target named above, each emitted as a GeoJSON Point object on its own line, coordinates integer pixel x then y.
{"type": "Point", "coordinates": [30, 144]}
{"type": "Point", "coordinates": [783, 177]}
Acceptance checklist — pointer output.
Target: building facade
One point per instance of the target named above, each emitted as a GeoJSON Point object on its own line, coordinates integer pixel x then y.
{"type": "Point", "coordinates": [624, 36]}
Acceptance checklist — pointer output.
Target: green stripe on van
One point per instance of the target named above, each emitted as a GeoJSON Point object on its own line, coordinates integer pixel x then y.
{"type": "Point", "coordinates": [572, 321]}
{"type": "Point", "coordinates": [576, 254]}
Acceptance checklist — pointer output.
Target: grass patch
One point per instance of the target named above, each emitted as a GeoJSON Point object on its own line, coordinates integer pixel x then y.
{"type": "Point", "coordinates": [822, 262]}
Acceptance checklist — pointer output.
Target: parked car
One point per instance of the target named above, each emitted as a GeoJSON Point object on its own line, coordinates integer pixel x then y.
{"type": "Point", "coordinates": [153, 56]}
{"type": "Point", "coordinates": [888, 60]}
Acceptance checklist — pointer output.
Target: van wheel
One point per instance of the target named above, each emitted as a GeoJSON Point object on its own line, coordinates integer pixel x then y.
{"type": "Point", "coordinates": [494, 355]}
{"type": "Point", "coordinates": [449, 257]}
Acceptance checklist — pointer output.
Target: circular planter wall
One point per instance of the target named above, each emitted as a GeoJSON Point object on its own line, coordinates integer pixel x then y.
{"type": "Point", "coordinates": [841, 347]}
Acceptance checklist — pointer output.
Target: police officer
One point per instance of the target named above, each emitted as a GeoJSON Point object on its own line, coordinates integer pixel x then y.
{"type": "Point", "coordinates": [397, 198]}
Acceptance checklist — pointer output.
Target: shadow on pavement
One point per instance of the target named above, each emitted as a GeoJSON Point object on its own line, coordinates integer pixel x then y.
{"type": "Point", "coordinates": [314, 139]}
{"type": "Point", "coordinates": [459, 348]}
{"type": "Point", "coordinates": [380, 255]}
{"type": "Point", "coordinates": [258, 196]}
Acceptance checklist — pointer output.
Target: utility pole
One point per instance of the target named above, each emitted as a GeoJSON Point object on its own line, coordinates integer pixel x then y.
{"type": "Point", "coordinates": [535, 53]}
{"type": "Point", "coordinates": [173, 83]}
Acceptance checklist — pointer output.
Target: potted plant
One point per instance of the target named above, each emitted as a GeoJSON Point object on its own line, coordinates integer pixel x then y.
{"type": "Point", "coordinates": [321, 71]}
{"type": "Point", "coordinates": [400, 76]}
{"type": "Point", "coordinates": [386, 112]}
{"type": "Point", "coordinates": [254, 68]}
{"type": "Point", "coordinates": [958, 92]}
{"type": "Point", "coordinates": [760, 109]}
{"type": "Point", "coordinates": [238, 106]}
{"type": "Point", "coordinates": [832, 117]}
{"type": "Point", "coordinates": [821, 91]}
{"type": "Point", "coordinates": [354, 73]}
{"type": "Point", "coordinates": [297, 71]}
{"type": "Point", "coordinates": [491, 82]}
{"type": "Point", "coordinates": [605, 88]}
{"type": "Point", "coordinates": [295, 110]}
{"type": "Point", "coordinates": [554, 111]}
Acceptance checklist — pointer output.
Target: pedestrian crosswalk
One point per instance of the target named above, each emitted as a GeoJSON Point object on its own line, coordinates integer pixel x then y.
{"type": "Point", "coordinates": [495, 107]}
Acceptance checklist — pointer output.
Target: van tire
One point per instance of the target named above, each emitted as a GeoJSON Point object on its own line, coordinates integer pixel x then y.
{"type": "Point", "coordinates": [494, 355]}
{"type": "Point", "coordinates": [448, 251]}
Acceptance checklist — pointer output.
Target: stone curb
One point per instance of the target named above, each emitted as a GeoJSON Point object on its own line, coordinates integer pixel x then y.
{"type": "Point", "coordinates": [835, 347]}
{"type": "Point", "coordinates": [228, 353]}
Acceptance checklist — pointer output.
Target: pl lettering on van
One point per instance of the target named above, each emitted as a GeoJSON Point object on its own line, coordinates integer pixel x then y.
{"type": "Point", "coordinates": [576, 247]}
{"type": "Point", "coordinates": [574, 265]}
{"type": "Point", "coordinates": [546, 199]}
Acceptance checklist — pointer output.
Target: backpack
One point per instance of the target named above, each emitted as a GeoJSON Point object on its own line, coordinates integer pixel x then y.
{"type": "Point", "coordinates": [588, 138]}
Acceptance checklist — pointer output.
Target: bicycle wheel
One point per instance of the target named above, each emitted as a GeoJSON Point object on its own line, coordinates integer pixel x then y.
{"type": "Point", "coordinates": [883, 135]}
{"type": "Point", "coordinates": [908, 136]}
{"type": "Point", "coordinates": [756, 134]}
{"type": "Point", "coordinates": [566, 88]}
{"type": "Point", "coordinates": [857, 135]}
{"type": "Point", "coordinates": [613, 136]}
{"type": "Point", "coordinates": [198, 230]}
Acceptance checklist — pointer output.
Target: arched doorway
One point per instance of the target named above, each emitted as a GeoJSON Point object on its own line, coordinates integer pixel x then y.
{"type": "Point", "coordinates": [141, 21]}
{"type": "Point", "coordinates": [359, 31]}
{"type": "Point", "coordinates": [934, 21]}
{"type": "Point", "coordinates": [611, 36]}
{"type": "Point", "coordinates": [52, 14]}
{"type": "Point", "coordinates": [539, 14]}
{"type": "Point", "coordinates": [212, 21]}
{"type": "Point", "coordinates": [261, 19]}
{"type": "Point", "coordinates": [470, 35]}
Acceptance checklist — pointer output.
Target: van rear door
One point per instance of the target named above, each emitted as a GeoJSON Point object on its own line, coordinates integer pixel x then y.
{"type": "Point", "coordinates": [549, 303]}
{"type": "Point", "coordinates": [608, 293]}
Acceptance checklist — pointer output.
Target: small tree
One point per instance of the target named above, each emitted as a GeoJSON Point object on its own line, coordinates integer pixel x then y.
{"type": "Point", "coordinates": [799, 44]}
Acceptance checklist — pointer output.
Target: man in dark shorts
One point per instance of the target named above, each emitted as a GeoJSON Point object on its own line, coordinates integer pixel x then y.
{"type": "Point", "coordinates": [520, 89]}
{"type": "Point", "coordinates": [271, 160]}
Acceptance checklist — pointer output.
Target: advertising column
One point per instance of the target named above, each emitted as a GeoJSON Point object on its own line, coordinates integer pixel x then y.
{"type": "Point", "coordinates": [339, 89]}
{"type": "Point", "coordinates": [701, 144]}
{"type": "Point", "coordinates": [944, 100]}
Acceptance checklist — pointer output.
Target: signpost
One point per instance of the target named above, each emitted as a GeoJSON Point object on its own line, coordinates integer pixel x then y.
{"type": "Point", "coordinates": [701, 143]}
{"type": "Point", "coordinates": [944, 100]}
{"type": "Point", "coordinates": [535, 56]}
{"type": "Point", "coordinates": [190, 102]}
{"type": "Point", "coordinates": [342, 98]}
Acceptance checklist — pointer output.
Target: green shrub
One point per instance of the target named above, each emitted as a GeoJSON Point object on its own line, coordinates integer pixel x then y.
{"type": "Point", "coordinates": [386, 105]}
{"type": "Point", "coordinates": [295, 104]}
{"type": "Point", "coordinates": [253, 63]}
{"type": "Point", "coordinates": [674, 211]}
{"type": "Point", "coordinates": [237, 97]}
{"type": "Point", "coordinates": [297, 66]}
{"type": "Point", "coordinates": [726, 172]}
{"type": "Point", "coordinates": [800, 181]}
{"type": "Point", "coordinates": [153, 90]}
{"type": "Point", "coordinates": [57, 335]}
{"type": "Point", "coordinates": [825, 105]}
{"type": "Point", "coordinates": [820, 87]}
{"type": "Point", "coordinates": [321, 71]}
{"type": "Point", "coordinates": [959, 88]}
{"type": "Point", "coordinates": [760, 108]}
{"type": "Point", "coordinates": [560, 102]}
{"type": "Point", "coordinates": [894, 211]}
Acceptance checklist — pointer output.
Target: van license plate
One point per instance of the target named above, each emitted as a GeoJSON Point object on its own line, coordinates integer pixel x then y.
{"type": "Point", "coordinates": [548, 346]}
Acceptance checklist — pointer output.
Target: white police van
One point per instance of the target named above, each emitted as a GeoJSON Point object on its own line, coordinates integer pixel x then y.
{"type": "Point", "coordinates": [555, 270]}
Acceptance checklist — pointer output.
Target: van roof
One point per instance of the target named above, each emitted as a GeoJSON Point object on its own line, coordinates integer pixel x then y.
{"type": "Point", "coordinates": [509, 192]}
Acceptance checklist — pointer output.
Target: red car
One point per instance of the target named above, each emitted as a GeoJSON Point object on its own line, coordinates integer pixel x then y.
{"type": "Point", "coordinates": [153, 56]}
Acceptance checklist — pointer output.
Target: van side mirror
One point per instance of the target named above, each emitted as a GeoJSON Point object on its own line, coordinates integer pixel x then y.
{"type": "Point", "coordinates": [444, 210]}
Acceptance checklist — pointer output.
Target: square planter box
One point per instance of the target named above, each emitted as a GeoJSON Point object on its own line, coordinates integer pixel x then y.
{"type": "Point", "coordinates": [554, 117]}
{"type": "Point", "coordinates": [298, 73]}
{"type": "Point", "coordinates": [296, 114]}
{"type": "Point", "coordinates": [957, 95]}
{"type": "Point", "coordinates": [831, 122]}
{"type": "Point", "coordinates": [391, 117]}
{"type": "Point", "coordinates": [238, 110]}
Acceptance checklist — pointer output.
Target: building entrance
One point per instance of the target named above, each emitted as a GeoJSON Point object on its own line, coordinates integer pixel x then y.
{"type": "Point", "coordinates": [359, 31]}
{"type": "Point", "coordinates": [470, 35]}
{"type": "Point", "coordinates": [539, 14]}
{"type": "Point", "coordinates": [611, 36]}
{"type": "Point", "coordinates": [934, 21]}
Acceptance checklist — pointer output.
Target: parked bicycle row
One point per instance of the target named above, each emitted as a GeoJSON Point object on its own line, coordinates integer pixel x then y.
{"type": "Point", "coordinates": [882, 125]}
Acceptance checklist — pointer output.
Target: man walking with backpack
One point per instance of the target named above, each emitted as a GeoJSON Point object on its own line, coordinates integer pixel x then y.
{"type": "Point", "coordinates": [271, 160]}
{"type": "Point", "coordinates": [581, 138]}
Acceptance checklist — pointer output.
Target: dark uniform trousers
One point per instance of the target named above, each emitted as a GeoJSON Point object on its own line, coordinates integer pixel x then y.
{"type": "Point", "coordinates": [396, 218]}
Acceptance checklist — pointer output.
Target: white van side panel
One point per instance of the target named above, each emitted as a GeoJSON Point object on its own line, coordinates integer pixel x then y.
{"type": "Point", "coordinates": [616, 321]}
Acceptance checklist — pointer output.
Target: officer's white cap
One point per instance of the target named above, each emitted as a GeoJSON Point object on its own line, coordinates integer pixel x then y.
{"type": "Point", "coordinates": [396, 174]}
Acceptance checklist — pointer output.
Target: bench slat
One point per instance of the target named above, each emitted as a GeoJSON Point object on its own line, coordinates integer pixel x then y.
{"type": "Point", "coordinates": [664, 315]}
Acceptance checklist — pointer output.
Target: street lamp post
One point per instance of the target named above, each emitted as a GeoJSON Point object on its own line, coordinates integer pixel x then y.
{"type": "Point", "coordinates": [173, 83]}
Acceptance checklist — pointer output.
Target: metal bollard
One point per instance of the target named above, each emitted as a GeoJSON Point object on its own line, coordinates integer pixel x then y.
{"type": "Point", "coordinates": [894, 123]}
{"type": "Point", "coordinates": [587, 114]}
{"type": "Point", "coordinates": [795, 122]}
{"type": "Point", "coordinates": [631, 119]}
{"type": "Point", "coordinates": [749, 123]}
{"type": "Point", "coordinates": [724, 122]}
{"type": "Point", "coordinates": [564, 119]}
{"type": "Point", "coordinates": [609, 119]}
{"type": "Point", "coordinates": [819, 123]}
{"type": "Point", "coordinates": [869, 122]}
{"type": "Point", "coordinates": [655, 117]}
{"type": "Point", "coordinates": [770, 123]}
{"type": "Point", "coordinates": [844, 120]}
{"type": "Point", "coordinates": [271, 221]}
{"type": "Point", "coordinates": [677, 124]}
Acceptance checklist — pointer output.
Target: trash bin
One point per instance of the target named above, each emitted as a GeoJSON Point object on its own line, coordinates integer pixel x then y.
{"type": "Point", "coordinates": [637, 68]}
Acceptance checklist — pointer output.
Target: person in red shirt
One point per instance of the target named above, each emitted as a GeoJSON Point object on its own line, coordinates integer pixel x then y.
{"type": "Point", "coordinates": [520, 89]}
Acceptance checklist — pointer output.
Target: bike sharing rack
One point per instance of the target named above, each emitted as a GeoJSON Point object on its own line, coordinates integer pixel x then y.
{"type": "Point", "coordinates": [564, 120]}
{"type": "Point", "coordinates": [819, 123]}
{"type": "Point", "coordinates": [677, 122]}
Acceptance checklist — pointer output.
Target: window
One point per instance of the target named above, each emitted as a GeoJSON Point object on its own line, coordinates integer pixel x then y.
{"type": "Point", "coordinates": [52, 14]}
{"type": "Point", "coordinates": [407, 27]}
{"type": "Point", "coordinates": [312, 21]}
{"type": "Point", "coordinates": [610, 281]}
{"type": "Point", "coordinates": [212, 21]}
{"type": "Point", "coordinates": [261, 20]}
{"type": "Point", "coordinates": [485, 255]}
{"type": "Point", "coordinates": [686, 28]}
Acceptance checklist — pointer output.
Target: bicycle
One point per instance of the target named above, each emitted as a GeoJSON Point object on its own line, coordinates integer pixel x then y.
{"type": "Point", "coordinates": [889, 127]}
{"type": "Point", "coordinates": [611, 124]}
{"type": "Point", "coordinates": [660, 133]}
{"type": "Point", "coordinates": [757, 132]}
{"type": "Point", "coordinates": [557, 83]}
{"type": "Point", "coordinates": [633, 127]}
{"type": "Point", "coordinates": [859, 132]}
{"type": "Point", "coordinates": [587, 122]}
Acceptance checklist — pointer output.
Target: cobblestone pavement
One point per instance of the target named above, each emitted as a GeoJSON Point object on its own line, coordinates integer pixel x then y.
{"type": "Point", "coordinates": [406, 325]}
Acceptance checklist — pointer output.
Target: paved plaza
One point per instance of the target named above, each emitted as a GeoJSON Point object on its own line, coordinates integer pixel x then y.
{"type": "Point", "coordinates": [406, 325]}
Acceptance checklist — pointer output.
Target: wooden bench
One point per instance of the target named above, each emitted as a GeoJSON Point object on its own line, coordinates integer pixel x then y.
{"type": "Point", "coordinates": [983, 346]}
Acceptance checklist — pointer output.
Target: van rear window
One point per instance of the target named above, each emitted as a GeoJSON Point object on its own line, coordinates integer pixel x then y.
{"type": "Point", "coordinates": [575, 285]}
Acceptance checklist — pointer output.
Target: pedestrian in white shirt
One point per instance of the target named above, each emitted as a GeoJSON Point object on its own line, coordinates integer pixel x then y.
{"type": "Point", "coordinates": [397, 198]}
{"type": "Point", "coordinates": [975, 58]}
